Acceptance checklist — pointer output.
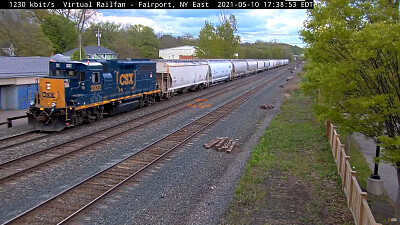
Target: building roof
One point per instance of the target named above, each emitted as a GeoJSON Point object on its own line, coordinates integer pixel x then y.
{"type": "Point", "coordinates": [91, 50]}
{"type": "Point", "coordinates": [12, 67]}
{"type": "Point", "coordinates": [180, 48]}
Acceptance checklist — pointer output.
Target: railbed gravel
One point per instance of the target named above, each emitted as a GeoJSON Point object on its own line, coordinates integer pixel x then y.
{"type": "Point", "coordinates": [197, 185]}
{"type": "Point", "coordinates": [17, 198]}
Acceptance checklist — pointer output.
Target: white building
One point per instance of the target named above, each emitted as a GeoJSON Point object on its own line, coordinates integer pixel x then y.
{"type": "Point", "coordinates": [177, 52]}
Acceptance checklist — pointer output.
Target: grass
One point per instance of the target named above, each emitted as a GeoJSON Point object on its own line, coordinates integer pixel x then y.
{"type": "Point", "coordinates": [291, 175]}
{"type": "Point", "coordinates": [359, 164]}
{"type": "Point", "coordinates": [357, 161]}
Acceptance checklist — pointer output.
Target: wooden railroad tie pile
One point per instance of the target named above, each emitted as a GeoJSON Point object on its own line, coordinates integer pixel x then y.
{"type": "Point", "coordinates": [222, 144]}
{"type": "Point", "coordinates": [267, 106]}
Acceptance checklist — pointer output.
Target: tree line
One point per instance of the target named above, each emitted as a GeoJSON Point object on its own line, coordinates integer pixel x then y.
{"type": "Point", "coordinates": [353, 61]}
{"type": "Point", "coordinates": [48, 32]}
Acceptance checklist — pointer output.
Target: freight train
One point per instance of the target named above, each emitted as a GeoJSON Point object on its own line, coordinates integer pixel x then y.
{"type": "Point", "coordinates": [77, 92]}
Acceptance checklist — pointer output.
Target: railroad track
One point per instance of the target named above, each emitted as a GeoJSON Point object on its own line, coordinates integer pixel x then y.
{"type": "Point", "coordinates": [12, 169]}
{"type": "Point", "coordinates": [65, 206]}
{"type": "Point", "coordinates": [20, 139]}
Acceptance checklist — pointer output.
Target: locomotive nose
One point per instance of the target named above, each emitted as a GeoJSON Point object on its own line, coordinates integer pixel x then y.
{"type": "Point", "coordinates": [51, 93]}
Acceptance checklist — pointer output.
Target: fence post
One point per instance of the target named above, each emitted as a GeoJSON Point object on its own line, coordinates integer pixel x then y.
{"type": "Point", "coordinates": [340, 158]}
{"type": "Point", "coordinates": [363, 197]}
{"type": "Point", "coordinates": [353, 174]}
{"type": "Point", "coordinates": [327, 126]}
{"type": "Point", "coordinates": [345, 172]}
{"type": "Point", "coordinates": [337, 143]}
{"type": "Point", "coordinates": [332, 132]}
{"type": "Point", "coordinates": [334, 142]}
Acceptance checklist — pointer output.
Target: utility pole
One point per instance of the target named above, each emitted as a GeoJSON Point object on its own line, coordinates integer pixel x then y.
{"type": "Point", "coordinates": [98, 35]}
{"type": "Point", "coordinates": [80, 47]}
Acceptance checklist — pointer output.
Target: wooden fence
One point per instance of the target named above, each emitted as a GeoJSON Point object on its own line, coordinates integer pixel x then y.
{"type": "Point", "coordinates": [356, 198]}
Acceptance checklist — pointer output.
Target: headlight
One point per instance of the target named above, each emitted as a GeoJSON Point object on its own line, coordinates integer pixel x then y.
{"type": "Point", "coordinates": [32, 103]}
{"type": "Point", "coordinates": [53, 104]}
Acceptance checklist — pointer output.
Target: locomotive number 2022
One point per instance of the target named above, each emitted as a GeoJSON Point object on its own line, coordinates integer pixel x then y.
{"type": "Point", "coordinates": [95, 87]}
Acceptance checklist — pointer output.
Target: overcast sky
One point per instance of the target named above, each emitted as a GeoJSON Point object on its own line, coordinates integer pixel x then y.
{"type": "Point", "coordinates": [258, 24]}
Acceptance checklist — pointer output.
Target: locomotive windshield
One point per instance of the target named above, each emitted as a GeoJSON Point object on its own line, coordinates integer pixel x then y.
{"type": "Point", "coordinates": [63, 73]}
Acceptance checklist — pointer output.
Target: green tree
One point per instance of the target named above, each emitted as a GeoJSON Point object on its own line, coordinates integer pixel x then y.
{"type": "Point", "coordinates": [19, 29]}
{"type": "Point", "coordinates": [353, 50]}
{"type": "Point", "coordinates": [78, 56]}
{"type": "Point", "coordinates": [168, 41]}
{"type": "Point", "coordinates": [124, 48]}
{"type": "Point", "coordinates": [208, 42]}
{"type": "Point", "coordinates": [60, 31]}
{"type": "Point", "coordinates": [221, 41]}
{"type": "Point", "coordinates": [265, 50]}
{"type": "Point", "coordinates": [145, 39]}
{"type": "Point", "coordinates": [227, 35]}
{"type": "Point", "coordinates": [108, 31]}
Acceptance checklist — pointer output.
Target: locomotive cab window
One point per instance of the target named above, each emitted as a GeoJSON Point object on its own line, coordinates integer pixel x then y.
{"type": "Point", "coordinates": [60, 73]}
{"type": "Point", "coordinates": [71, 73]}
{"type": "Point", "coordinates": [82, 76]}
{"type": "Point", "coordinates": [64, 73]}
{"type": "Point", "coordinates": [96, 77]}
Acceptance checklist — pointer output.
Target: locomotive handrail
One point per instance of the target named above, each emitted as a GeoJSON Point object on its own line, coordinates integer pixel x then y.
{"type": "Point", "coordinates": [9, 120]}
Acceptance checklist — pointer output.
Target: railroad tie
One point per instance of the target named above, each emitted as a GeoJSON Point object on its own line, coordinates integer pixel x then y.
{"type": "Point", "coordinates": [222, 144]}
{"type": "Point", "coordinates": [233, 144]}
{"type": "Point", "coordinates": [212, 143]}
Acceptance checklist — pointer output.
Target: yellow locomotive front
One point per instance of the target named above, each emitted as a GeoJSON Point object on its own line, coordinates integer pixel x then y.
{"type": "Point", "coordinates": [51, 93]}
{"type": "Point", "coordinates": [48, 111]}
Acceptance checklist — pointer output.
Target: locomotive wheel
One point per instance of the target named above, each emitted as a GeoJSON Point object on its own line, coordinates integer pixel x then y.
{"type": "Point", "coordinates": [141, 102]}
{"type": "Point", "coordinates": [150, 100]}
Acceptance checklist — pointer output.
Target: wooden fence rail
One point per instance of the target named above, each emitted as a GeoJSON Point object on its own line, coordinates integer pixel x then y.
{"type": "Point", "coordinates": [356, 198]}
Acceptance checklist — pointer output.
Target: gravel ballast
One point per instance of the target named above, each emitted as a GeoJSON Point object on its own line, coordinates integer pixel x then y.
{"type": "Point", "coordinates": [195, 186]}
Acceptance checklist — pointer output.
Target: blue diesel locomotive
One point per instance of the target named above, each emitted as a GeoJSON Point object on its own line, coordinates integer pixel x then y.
{"type": "Point", "coordinates": [78, 92]}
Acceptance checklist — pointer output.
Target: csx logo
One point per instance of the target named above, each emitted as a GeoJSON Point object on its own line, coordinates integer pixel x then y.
{"type": "Point", "coordinates": [126, 79]}
{"type": "Point", "coordinates": [48, 95]}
